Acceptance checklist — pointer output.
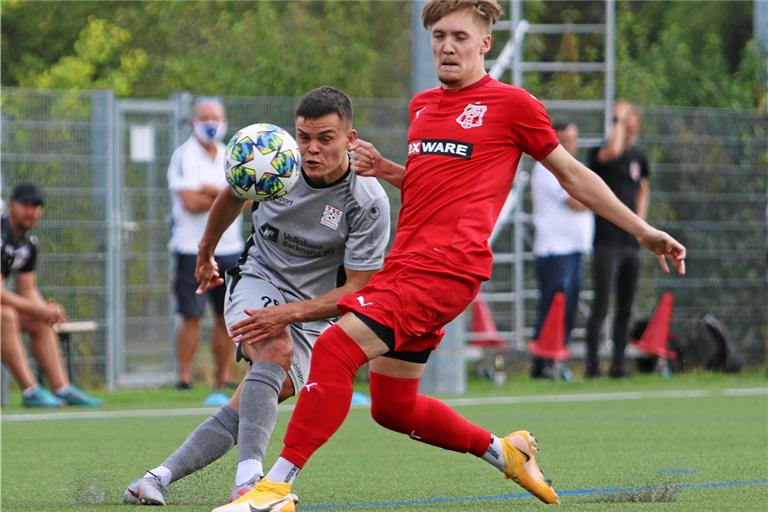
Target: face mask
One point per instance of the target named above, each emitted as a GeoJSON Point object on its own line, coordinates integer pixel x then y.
{"type": "Point", "coordinates": [210, 131]}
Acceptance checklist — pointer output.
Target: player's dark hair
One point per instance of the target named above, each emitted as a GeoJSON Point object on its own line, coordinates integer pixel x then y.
{"type": "Point", "coordinates": [487, 10]}
{"type": "Point", "coordinates": [562, 124]}
{"type": "Point", "coordinates": [325, 100]}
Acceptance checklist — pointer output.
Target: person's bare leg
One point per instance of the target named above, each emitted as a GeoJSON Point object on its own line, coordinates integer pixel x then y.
{"type": "Point", "coordinates": [223, 351]}
{"type": "Point", "coordinates": [47, 351]}
{"type": "Point", "coordinates": [12, 349]}
{"type": "Point", "coordinates": [187, 339]}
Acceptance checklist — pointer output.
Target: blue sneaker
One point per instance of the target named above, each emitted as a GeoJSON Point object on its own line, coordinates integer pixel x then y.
{"type": "Point", "coordinates": [40, 397]}
{"type": "Point", "coordinates": [76, 396]}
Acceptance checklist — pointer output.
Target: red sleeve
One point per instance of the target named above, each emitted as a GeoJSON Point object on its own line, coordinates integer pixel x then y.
{"type": "Point", "coordinates": [531, 127]}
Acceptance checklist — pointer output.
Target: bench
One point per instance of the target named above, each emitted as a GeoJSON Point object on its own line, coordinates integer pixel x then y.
{"type": "Point", "coordinates": [65, 330]}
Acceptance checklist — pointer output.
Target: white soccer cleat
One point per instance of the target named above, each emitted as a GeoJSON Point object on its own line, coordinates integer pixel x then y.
{"type": "Point", "coordinates": [147, 490]}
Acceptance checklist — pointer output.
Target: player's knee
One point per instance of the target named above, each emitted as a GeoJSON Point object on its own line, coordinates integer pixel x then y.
{"type": "Point", "coordinates": [398, 416]}
{"type": "Point", "coordinates": [391, 408]}
{"type": "Point", "coordinates": [287, 391]}
{"type": "Point", "coordinates": [10, 317]}
{"type": "Point", "coordinates": [37, 329]}
{"type": "Point", "coordinates": [278, 350]}
{"type": "Point", "coordinates": [395, 402]}
{"type": "Point", "coordinates": [389, 415]}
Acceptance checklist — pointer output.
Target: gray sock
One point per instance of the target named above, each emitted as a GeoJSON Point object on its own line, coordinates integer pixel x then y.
{"type": "Point", "coordinates": [258, 409]}
{"type": "Point", "coordinates": [209, 441]}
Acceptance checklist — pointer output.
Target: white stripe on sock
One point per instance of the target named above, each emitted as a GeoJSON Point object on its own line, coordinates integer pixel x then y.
{"type": "Point", "coordinates": [495, 454]}
{"type": "Point", "coordinates": [283, 471]}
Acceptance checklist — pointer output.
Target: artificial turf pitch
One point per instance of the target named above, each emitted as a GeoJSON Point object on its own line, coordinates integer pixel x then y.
{"type": "Point", "coordinates": [689, 443]}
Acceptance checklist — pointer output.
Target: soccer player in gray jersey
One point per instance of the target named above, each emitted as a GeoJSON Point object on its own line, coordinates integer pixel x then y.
{"type": "Point", "coordinates": [322, 240]}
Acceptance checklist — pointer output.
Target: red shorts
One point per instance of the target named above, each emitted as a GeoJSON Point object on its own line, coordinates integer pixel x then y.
{"type": "Point", "coordinates": [414, 300]}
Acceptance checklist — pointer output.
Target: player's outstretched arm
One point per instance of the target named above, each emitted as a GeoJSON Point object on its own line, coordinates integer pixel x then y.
{"type": "Point", "coordinates": [264, 323]}
{"type": "Point", "coordinates": [587, 187]}
{"type": "Point", "coordinates": [224, 211]}
{"type": "Point", "coordinates": [367, 161]}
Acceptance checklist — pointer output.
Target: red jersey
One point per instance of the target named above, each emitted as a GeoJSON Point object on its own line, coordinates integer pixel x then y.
{"type": "Point", "coordinates": [463, 150]}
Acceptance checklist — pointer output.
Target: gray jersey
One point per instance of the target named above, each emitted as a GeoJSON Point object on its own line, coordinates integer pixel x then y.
{"type": "Point", "coordinates": [304, 239]}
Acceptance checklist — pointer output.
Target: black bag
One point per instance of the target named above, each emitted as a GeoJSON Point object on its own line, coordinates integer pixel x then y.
{"type": "Point", "coordinates": [708, 345]}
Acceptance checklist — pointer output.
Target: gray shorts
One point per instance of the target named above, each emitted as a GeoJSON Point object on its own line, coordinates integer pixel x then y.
{"type": "Point", "coordinates": [245, 291]}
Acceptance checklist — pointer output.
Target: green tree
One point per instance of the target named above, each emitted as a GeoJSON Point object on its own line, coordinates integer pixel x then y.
{"type": "Point", "coordinates": [101, 60]}
{"type": "Point", "coordinates": [227, 48]}
{"type": "Point", "coordinates": [682, 53]}
{"type": "Point", "coordinates": [687, 54]}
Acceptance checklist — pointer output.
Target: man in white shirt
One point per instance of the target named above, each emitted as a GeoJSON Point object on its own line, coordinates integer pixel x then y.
{"type": "Point", "coordinates": [195, 177]}
{"type": "Point", "coordinates": [564, 231]}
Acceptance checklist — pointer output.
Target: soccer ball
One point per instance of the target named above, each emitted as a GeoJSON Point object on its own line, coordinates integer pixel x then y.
{"type": "Point", "coordinates": [262, 162]}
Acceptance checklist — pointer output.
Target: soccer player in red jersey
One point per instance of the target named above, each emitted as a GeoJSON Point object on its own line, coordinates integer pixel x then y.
{"type": "Point", "coordinates": [464, 143]}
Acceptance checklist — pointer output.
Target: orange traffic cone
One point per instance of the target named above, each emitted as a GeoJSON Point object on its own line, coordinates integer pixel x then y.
{"type": "Point", "coordinates": [484, 328]}
{"type": "Point", "coordinates": [551, 342]}
{"type": "Point", "coordinates": [655, 337]}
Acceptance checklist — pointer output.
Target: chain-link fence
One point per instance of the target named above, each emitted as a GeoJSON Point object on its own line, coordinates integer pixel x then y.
{"type": "Point", "coordinates": [103, 234]}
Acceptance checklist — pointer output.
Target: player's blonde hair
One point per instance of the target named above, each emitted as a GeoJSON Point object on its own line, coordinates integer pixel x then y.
{"type": "Point", "coordinates": [487, 11]}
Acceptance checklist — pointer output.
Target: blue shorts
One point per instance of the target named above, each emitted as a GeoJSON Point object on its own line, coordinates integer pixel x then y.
{"type": "Point", "coordinates": [188, 303]}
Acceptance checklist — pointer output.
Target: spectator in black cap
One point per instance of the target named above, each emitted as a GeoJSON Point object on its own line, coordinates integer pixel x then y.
{"type": "Point", "coordinates": [28, 193]}
{"type": "Point", "coordinates": [25, 310]}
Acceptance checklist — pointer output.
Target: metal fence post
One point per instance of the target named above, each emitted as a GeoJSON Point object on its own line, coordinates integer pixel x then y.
{"type": "Point", "coordinates": [102, 141]}
{"type": "Point", "coordinates": [446, 371]}
{"type": "Point", "coordinates": [106, 109]}
{"type": "Point", "coordinates": [518, 220]}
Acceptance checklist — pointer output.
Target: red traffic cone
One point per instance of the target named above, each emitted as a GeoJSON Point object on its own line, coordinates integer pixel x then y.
{"type": "Point", "coordinates": [483, 327]}
{"type": "Point", "coordinates": [551, 342]}
{"type": "Point", "coordinates": [656, 334]}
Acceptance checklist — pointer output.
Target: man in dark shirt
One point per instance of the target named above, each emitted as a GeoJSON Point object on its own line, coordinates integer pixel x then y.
{"type": "Point", "coordinates": [616, 262]}
{"type": "Point", "coordinates": [25, 310]}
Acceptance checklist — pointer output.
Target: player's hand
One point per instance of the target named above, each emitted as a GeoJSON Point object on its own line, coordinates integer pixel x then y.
{"type": "Point", "coordinates": [664, 246]}
{"type": "Point", "coordinates": [207, 274]}
{"type": "Point", "coordinates": [261, 324]}
{"type": "Point", "coordinates": [620, 110]}
{"type": "Point", "coordinates": [365, 158]}
{"type": "Point", "coordinates": [52, 312]}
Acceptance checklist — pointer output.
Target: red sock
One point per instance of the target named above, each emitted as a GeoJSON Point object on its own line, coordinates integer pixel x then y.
{"type": "Point", "coordinates": [325, 399]}
{"type": "Point", "coordinates": [397, 405]}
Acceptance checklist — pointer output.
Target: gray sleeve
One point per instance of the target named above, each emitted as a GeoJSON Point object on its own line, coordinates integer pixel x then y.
{"type": "Point", "coordinates": [368, 236]}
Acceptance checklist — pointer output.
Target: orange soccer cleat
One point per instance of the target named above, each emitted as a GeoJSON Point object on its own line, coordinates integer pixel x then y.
{"type": "Point", "coordinates": [519, 454]}
{"type": "Point", "coordinates": [266, 496]}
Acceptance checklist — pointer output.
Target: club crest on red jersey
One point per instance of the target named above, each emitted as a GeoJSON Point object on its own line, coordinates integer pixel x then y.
{"type": "Point", "coordinates": [472, 117]}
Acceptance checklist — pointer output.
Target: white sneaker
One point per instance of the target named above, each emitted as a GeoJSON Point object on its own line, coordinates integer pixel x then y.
{"type": "Point", "coordinates": [147, 490]}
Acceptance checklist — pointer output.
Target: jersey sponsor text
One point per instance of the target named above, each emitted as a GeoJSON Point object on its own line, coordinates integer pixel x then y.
{"type": "Point", "coordinates": [453, 148]}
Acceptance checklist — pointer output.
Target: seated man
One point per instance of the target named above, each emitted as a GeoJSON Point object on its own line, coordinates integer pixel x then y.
{"type": "Point", "coordinates": [25, 310]}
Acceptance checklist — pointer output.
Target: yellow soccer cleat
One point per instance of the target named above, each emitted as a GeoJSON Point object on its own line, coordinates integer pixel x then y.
{"type": "Point", "coordinates": [266, 496]}
{"type": "Point", "coordinates": [519, 455]}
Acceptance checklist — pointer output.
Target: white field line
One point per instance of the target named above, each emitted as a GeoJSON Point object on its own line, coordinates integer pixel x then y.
{"type": "Point", "coordinates": [456, 402]}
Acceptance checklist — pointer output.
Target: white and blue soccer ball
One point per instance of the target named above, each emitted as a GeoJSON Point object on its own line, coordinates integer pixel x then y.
{"type": "Point", "coordinates": [262, 162]}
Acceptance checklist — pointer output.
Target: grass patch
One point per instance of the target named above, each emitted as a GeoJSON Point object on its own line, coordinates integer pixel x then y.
{"type": "Point", "coordinates": [654, 494]}
{"type": "Point", "coordinates": [603, 455]}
